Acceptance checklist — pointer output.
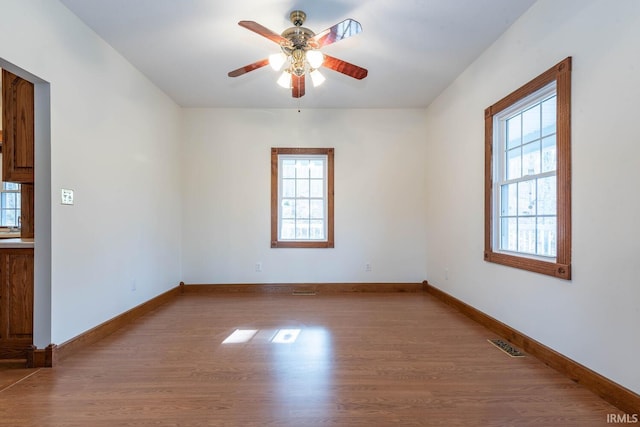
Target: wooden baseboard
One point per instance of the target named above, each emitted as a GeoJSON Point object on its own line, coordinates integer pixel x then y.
{"type": "Point", "coordinates": [42, 357]}
{"type": "Point", "coordinates": [289, 288]}
{"type": "Point", "coordinates": [107, 328]}
{"type": "Point", "coordinates": [608, 390]}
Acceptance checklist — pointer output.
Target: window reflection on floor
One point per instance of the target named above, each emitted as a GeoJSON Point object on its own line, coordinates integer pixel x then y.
{"type": "Point", "coordinates": [298, 358]}
{"type": "Point", "coordinates": [286, 336]}
{"type": "Point", "coordinates": [240, 336]}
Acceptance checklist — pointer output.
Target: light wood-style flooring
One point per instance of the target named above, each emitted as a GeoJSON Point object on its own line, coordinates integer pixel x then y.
{"type": "Point", "coordinates": [359, 359]}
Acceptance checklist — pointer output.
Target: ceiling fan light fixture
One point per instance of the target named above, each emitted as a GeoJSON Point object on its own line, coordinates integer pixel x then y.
{"type": "Point", "coordinates": [315, 58]}
{"type": "Point", "coordinates": [285, 80]}
{"type": "Point", "coordinates": [301, 54]}
{"type": "Point", "coordinates": [276, 60]}
{"type": "Point", "coordinates": [316, 78]}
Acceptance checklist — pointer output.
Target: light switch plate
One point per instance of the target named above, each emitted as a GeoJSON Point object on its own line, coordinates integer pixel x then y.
{"type": "Point", "coordinates": [66, 196]}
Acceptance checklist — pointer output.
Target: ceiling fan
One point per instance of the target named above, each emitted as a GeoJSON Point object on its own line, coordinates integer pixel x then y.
{"type": "Point", "coordinates": [300, 54]}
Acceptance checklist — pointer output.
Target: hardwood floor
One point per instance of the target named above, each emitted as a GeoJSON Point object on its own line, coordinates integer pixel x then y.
{"type": "Point", "coordinates": [366, 359]}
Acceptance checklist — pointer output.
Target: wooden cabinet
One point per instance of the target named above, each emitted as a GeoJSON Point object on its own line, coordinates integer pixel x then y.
{"type": "Point", "coordinates": [16, 303]}
{"type": "Point", "coordinates": [17, 129]}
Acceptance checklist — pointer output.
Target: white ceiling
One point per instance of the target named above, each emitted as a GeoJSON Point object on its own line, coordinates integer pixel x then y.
{"type": "Point", "coordinates": [413, 49]}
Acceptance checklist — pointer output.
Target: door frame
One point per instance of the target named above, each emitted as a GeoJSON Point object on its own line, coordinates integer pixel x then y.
{"type": "Point", "coordinates": [42, 320]}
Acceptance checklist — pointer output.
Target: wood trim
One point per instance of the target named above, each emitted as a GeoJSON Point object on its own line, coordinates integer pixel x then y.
{"type": "Point", "coordinates": [27, 220]}
{"type": "Point", "coordinates": [563, 138]}
{"type": "Point", "coordinates": [561, 268]}
{"type": "Point", "coordinates": [110, 326]}
{"type": "Point", "coordinates": [42, 358]}
{"type": "Point", "coordinates": [288, 288]}
{"type": "Point", "coordinates": [275, 243]}
{"type": "Point", "coordinates": [608, 390]}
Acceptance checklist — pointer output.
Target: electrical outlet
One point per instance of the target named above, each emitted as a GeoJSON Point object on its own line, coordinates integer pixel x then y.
{"type": "Point", "coordinates": [446, 274]}
{"type": "Point", "coordinates": [367, 267]}
{"type": "Point", "coordinates": [133, 286]}
{"type": "Point", "coordinates": [258, 267]}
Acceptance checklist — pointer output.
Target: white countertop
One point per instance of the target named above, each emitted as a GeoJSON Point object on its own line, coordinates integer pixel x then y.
{"type": "Point", "coordinates": [16, 243]}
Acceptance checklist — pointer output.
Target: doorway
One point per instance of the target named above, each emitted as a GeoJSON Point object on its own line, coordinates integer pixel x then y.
{"type": "Point", "coordinates": [41, 196]}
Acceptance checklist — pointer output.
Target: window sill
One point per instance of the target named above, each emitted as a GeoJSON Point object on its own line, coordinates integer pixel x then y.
{"type": "Point", "coordinates": [561, 271]}
{"type": "Point", "coordinates": [7, 233]}
{"type": "Point", "coordinates": [298, 244]}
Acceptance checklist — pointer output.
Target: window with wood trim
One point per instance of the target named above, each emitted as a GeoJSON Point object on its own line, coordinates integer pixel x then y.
{"type": "Point", "coordinates": [528, 176]}
{"type": "Point", "coordinates": [302, 198]}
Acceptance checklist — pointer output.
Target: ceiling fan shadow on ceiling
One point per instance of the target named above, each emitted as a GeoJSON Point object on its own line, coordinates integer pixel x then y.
{"type": "Point", "coordinates": [300, 52]}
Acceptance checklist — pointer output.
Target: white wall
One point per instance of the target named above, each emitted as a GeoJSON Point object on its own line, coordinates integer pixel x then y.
{"type": "Point", "coordinates": [594, 318]}
{"type": "Point", "coordinates": [379, 195]}
{"type": "Point", "coordinates": [114, 140]}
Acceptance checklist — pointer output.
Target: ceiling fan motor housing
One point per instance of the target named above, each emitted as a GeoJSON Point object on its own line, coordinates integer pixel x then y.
{"type": "Point", "coordinates": [297, 17]}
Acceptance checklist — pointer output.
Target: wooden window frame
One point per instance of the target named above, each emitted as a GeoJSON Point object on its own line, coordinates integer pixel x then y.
{"type": "Point", "coordinates": [561, 268]}
{"type": "Point", "coordinates": [275, 241]}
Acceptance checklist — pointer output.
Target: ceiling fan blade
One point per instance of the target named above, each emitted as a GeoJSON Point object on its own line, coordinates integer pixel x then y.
{"type": "Point", "coordinates": [297, 90]}
{"type": "Point", "coordinates": [341, 30]}
{"type": "Point", "coordinates": [243, 70]}
{"type": "Point", "coordinates": [264, 32]}
{"type": "Point", "coordinates": [345, 67]}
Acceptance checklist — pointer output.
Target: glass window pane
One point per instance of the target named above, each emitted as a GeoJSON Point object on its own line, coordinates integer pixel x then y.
{"type": "Point", "coordinates": [302, 188]}
{"type": "Point", "coordinates": [302, 208]}
{"type": "Point", "coordinates": [11, 186]}
{"type": "Point", "coordinates": [288, 229]}
{"type": "Point", "coordinates": [514, 164]}
{"type": "Point", "coordinates": [288, 208]}
{"type": "Point", "coordinates": [531, 158]}
{"type": "Point", "coordinates": [316, 168]}
{"type": "Point", "coordinates": [531, 124]}
{"type": "Point", "coordinates": [317, 209]}
{"type": "Point", "coordinates": [302, 168]}
{"type": "Point", "coordinates": [549, 162]}
{"type": "Point", "coordinates": [12, 220]}
{"type": "Point", "coordinates": [509, 234]}
{"type": "Point", "coordinates": [527, 235]}
{"type": "Point", "coordinates": [316, 230]}
{"type": "Point", "coordinates": [302, 229]}
{"type": "Point", "coordinates": [509, 200]}
{"type": "Point", "coordinates": [547, 229]}
{"type": "Point", "coordinates": [316, 189]}
{"type": "Point", "coordinates": [546, 200]}
{"type": "Point", "coordinates": [514, 131]}
{"type": "Point", "coordinates": [549, 116]}
{"type": "Point", "coordinates": [527, 197]}
{"type": "Point", "coordinates": [288, 168]}
{"type": "Point", "coordinates": [9, 200]}
{"type": "Point", "coordinates": [288, 188]}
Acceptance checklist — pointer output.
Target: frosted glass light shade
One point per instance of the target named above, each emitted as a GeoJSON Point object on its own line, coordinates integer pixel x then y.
{"type": "Point", "coordinates": [276, 60]}
{"type": "Point", "coordinates": [316, 78]}
{"type": "Point", "coordinates": [315, 58]}
{"type": "Point", "coordinates": [285, 80]}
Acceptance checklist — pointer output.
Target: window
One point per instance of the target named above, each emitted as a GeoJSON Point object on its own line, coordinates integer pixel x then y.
{"type": "Point", "coordinates": [528, 176]}
{"type": "Point", "coordinates": [10, 205]}
{"type": "Point", "coordinates": [302, 197]}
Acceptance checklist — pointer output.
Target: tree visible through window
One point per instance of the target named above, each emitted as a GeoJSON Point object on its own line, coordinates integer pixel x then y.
{"type": "Point", "coordinates": [527, 176]}
{"type": "Point", "coordinates": [302, 197]}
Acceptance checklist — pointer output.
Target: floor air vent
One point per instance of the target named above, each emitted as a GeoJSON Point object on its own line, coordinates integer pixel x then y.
{"type": "Point", "coordinates": [303, 293]}
{"type": "Point", "coordinates": [507, 348]}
